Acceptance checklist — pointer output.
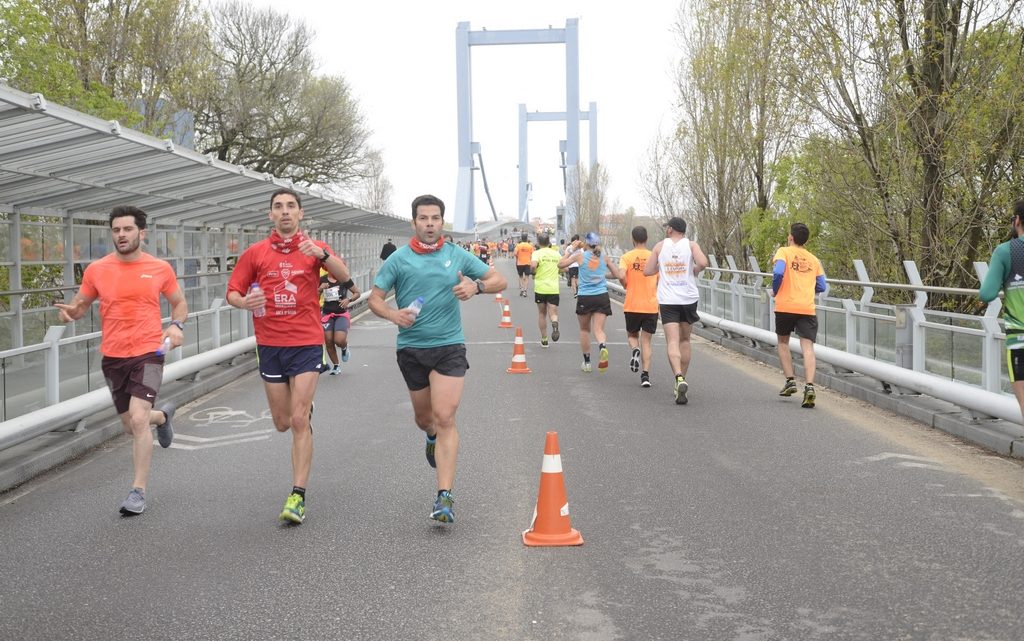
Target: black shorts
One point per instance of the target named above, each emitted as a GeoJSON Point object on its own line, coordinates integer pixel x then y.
{"type": "Point", "coordinates": [679, 313]}
{"type": "Point", "coordinates": [636, 321]}
{"type": "Point", "coordinates": [278, 364]}
{"type": "Point", "coordinates": [337, 323]}
{"type": "Point", "coordinates": [596, 304]}
{"type": "Point", "coordinates": [1015, 364]}
{"type": "Point", "coordinates": [523, 270]}
{"type": "Point", "coordinates": [550, 299]}
{"type": "Point", "coordinates": [138, 376]}
{"type": "Point", "coordinates": [416, 363]}
{"type": "Point", "coordinates": [574, 271]}
{"type": "Point", "coordinates": [806, 325]}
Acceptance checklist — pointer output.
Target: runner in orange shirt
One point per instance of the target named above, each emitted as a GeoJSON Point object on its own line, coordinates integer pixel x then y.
{"type": "Point", "coordinates": [641, 305]}
{"type": "Point", "coordinates": [524, 256]}
{"type": "Point", "coordinates": [129, 282]}
{"type": "Point", "coordinates": [796, 277]}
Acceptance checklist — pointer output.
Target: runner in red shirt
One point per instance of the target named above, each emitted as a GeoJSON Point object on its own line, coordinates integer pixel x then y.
{"type": "Point", "coordinates": [289, 338]}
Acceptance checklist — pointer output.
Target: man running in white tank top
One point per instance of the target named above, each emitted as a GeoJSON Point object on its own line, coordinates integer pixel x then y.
{"type": "Point", "coordinates": [678, 261]}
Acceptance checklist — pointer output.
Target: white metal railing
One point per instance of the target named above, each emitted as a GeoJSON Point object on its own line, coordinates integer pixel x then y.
{"type": "Point", "coordinates": [962, 348]}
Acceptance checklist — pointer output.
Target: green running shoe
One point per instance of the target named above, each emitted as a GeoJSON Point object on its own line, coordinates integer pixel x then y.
{"type": "Point", "coordinates": [808, 397]}
{"type": "Point", "coordinates": [443, 508]}
{"type": "Point", "coordinates": [789, 388]}
{"type": "Point", "coordinates": [681, 388]}
{"type": "Point", "coordinates": [294, 509]}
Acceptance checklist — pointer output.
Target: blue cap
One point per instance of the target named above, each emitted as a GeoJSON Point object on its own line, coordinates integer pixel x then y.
{"type": "Point", "coordinates": [592, 238]}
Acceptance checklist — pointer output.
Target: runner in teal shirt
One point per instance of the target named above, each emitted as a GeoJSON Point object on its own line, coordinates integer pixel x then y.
{"type": "Point", "coordinates": [431, 346]}
{"type": "Point", "coordinates": [431, 276]}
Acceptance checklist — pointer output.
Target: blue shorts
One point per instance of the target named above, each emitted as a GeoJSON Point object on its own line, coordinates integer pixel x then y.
{"type": "Point", "coordinates": [278, 364]}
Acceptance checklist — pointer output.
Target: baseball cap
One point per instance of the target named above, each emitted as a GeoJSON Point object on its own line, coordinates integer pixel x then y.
{"type": "Point", "coordinates": [677, 224]}
{"type": "Point", "coordinates": [592, 238]}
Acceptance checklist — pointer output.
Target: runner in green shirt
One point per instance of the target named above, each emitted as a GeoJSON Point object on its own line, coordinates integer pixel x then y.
{"type": "Point", "coordinates": [1006, 272]}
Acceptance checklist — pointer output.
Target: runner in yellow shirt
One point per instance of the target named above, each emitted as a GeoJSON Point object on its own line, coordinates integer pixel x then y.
{"type": "Point", "coordinates": [544, 265]}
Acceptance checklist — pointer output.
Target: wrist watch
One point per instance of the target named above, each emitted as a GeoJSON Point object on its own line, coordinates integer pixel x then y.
{"type": "Point", "coordinates": [179, 324]}
{"type": "Point", "coordinates": [326, 255]}
{"type": "Point", "coordinates": [479, 286]}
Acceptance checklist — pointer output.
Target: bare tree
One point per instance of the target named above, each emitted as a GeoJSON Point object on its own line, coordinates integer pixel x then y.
{"type": "Point", "coordinates": [588, 193]}
{"type": "Point", "coordinates": [661, 177]}
{"type": "Point", "coordinates": [374, 192]}
{"type": "Point", "coordinates": [268, 110]}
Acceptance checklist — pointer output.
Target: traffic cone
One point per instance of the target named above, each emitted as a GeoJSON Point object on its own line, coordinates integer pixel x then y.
{"type": "Point", "coordinates": [550, 525]}
{"type": "Point", "coordinates": [518, 355]}
{"type": "Point", "coordinates": [506, 318]}
{"type": "Point", "coordinates": [498, 298]}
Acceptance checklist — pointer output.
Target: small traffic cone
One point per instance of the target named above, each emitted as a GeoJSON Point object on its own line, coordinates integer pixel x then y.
{"type": "Point", "coordinates": [550, 525]}
{"type": "Point", "coordinates": [518, 355]}
{"type": "Point", "coordinates": [506, 318]}
{"type": "Point", "coordinates": [498, 298]}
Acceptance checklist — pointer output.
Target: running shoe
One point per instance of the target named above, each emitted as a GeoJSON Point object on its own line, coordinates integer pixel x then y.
{"type": "Point", "coordinates": [585, 366]}
{"type": "Point", "coordinates": [645, 380]}
{"type": "Point", "coordinates": [345, 354]}
{"type": "Point", "coordinates": [789, 388]}
{"type": "Point", "coordinates": [543, 341]}
{"type": "Point", "coordinates": [135, 503]}
{"type": "Point", "coordinates": [334, 371]}
{"type": "Point", "coordinates": [634, 360]}
{"type": "Point", "coordinates": [444, 508]}
{"type": "Point", "coordinates": [681, 388]}
{"type": "Point", "coordinates": [429, 449]}
{"type": "Point", "coordinates": [808, 396]}
{"type": "Point", "coordinates": [554, 331]}
{"type": "Point", "coordinates": [294, 508]}
{"type": "Point", "coordinates": [602, 361]}
{"type": "Point", "coordinates": [164, 431]}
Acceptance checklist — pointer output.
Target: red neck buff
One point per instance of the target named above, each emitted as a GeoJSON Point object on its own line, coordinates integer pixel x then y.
{"type": "Point", "coordinates": [285, 245]}
{"type": "Point", "coordinates": [424, 248]}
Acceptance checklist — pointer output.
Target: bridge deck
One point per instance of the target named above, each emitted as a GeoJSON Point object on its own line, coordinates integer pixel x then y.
{"type": "Point", "coordinates": [739, 515]}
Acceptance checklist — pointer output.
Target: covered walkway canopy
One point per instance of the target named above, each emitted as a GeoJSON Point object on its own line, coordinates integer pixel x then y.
{"type": "Point", "coordinates": [55, 161]}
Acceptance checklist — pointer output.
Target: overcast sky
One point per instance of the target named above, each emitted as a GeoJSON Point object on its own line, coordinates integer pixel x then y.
{"type": "Point", "coordinates": [399, 58]}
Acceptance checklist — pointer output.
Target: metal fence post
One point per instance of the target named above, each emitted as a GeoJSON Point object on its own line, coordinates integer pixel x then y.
{"type": "Point", "coordinates": [734, 292]}
{"type": "Point", "coordinates": [215, 322]}
{"type": "Point", "coordinates": [764, 315]}
{"type": "Point", "coordinates": [916, 312]}
{"type": "Point", "coordinates": [713, 284]}
{"type": "Point", "coordinates": [905, 352]}
{"type": "Point", "coordinates": [52, 374]}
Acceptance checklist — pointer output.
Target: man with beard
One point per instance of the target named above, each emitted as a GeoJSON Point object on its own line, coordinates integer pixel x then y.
{"type": "Point", "coordinates": [431, 344]}
{"type": "Point", "coordinates": [129, 283]}
{"type": "Point", "coordinates": [289, 337]}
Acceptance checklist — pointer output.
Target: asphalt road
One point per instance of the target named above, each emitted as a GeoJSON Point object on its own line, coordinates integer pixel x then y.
{"type": "Point", "coordinates": [739, 516]}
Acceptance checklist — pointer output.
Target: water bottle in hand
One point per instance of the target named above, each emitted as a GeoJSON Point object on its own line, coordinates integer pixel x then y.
{"type": "Point", "coordinates": [416, 306]}
{"type": "Point", "coordinates": [260, 311]}
{"type": "Point", "coordinates": [164, 347]}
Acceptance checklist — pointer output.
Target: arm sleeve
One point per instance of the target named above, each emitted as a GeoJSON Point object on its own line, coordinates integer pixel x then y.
{"type": "Point", "coordinates": [778, 271]}
{"type": "Point", "coordinates": [998, 269]}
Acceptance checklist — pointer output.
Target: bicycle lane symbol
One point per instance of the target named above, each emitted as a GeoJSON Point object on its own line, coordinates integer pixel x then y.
{"type": "Point", "coordinates": [222, 417]}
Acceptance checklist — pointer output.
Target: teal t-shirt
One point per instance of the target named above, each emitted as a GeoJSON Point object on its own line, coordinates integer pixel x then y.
{"type": "Point", "coordinates": [431, 276]}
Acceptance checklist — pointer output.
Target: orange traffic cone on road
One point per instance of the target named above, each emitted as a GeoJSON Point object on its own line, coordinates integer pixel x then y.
{"type": "Point", "coordinates": [518, 355]}
{"type": "Point", "coordinates": [506, 318]}
{"type": "Point", "coordinates": [551, 525]}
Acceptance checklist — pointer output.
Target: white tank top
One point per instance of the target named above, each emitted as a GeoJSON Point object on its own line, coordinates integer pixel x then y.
{"type": "Point", "coordinates": [676, 282]}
